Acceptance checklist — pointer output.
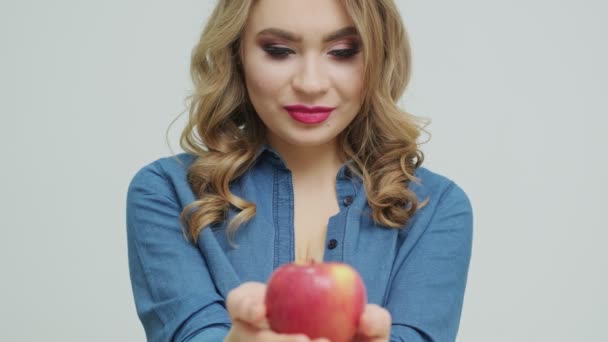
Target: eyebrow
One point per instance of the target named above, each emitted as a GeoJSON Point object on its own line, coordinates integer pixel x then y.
{"type": "Point", "coordinates": [341, 33]}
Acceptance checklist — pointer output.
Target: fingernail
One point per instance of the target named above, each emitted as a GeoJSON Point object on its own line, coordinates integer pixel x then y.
{"type": "Point", "coordinates": [260, 311]}
{"type": "Point", "coordinates": [255, 312]}
{"type": "Point", "coordinates": [364, 324]}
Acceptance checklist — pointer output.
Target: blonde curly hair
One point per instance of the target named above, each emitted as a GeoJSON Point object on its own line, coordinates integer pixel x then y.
{"type": "Point", "coordinates": [224, 132]}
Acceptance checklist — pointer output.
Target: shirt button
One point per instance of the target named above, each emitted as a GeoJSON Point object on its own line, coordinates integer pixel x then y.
{"type": "Point", "coordinates": [348, 200]}
{"type": "Point", "coordinates": [348, 173]}
{"type": "Point", "coordinates": [332, 244]}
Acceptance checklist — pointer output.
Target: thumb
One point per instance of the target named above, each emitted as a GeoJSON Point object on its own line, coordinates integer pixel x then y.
{"type": "Point", "coordinates": [375, 322]}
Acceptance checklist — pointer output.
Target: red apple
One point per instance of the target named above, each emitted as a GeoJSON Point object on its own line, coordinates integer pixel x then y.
{"type": "Point", "coordinates": [316, 299]}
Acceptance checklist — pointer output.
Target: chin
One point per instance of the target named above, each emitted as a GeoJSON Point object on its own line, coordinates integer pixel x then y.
{"type": "Point", "coordinates": [307, 140]}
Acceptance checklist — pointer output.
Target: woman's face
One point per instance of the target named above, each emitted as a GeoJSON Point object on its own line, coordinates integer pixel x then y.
{"type": "Point", "coordinates": [305, 53]}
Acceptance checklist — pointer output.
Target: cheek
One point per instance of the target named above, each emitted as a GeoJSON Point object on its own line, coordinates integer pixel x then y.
{"type": "Point", "coordinates": [349, 79]}
{"type": "Point", "coordinates": [263, 78]}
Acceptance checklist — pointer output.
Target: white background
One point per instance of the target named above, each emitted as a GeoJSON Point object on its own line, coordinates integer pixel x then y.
{"type": "Point", "coordinates": [514, 90]}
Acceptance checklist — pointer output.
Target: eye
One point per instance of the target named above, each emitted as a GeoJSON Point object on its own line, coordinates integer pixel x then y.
{"type": "Point", "coordinates": [282, 53]}
{"type": "Point", "coordinates": [277, 52]}
{"type": "Point", "coordinates": [344, 53]}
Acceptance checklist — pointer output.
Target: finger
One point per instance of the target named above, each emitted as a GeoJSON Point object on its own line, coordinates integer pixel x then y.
{"type": "Point", "coordinates": [246, 302]}
{"type": "Point", "coordinates": [361, 338]}
{"type": "Point", "coordinates": [233, 301]}
{"type": "Point", "coordinates": [250, 310]}
{"type": "Point", "coordinates": [251, 329]}
{"type": "Point", "coordinates": [375, 322]}
{"type": "Point", "coordinates": [270, 336]}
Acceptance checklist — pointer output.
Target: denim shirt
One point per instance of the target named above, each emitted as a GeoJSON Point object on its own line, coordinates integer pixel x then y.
{"type": "Point", "coordinates": [417, 272]}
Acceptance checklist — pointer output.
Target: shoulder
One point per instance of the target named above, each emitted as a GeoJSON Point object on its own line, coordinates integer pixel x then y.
{"type": "Point", "coordinates": [435, 185]}
{"type": "Point", "coordinates": [164, 176]}
{"type": "Point", "coordinates": [445, 196]}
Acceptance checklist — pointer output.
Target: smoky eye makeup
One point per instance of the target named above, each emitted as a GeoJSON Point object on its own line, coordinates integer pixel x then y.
{"type": "Point", "coordinates": [280, 51]}
{"type": "Point", "coordinates": [350, 51]}
{"type": "Point", "coordinates": [277, 51]}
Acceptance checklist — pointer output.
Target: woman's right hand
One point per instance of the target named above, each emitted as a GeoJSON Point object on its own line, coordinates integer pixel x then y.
{"type": "Point", "coordinates": [247, 311]}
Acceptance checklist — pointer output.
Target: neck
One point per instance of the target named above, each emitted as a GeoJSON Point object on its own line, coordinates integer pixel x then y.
{"type": "Point", "coordinates": [310, 164]}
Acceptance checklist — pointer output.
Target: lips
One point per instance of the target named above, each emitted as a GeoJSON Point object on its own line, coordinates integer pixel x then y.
{"type": "Point", "coordinates": [309, 115]}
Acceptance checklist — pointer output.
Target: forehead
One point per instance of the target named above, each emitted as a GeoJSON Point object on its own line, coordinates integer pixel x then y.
{"type": "Point", "coordinates": [309, 18]}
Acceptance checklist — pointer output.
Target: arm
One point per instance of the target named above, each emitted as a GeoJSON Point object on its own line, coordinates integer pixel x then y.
{"type": "Point", "coordinates": [426, 296]}
{"type": "Point", "coordinates": [174, 294]}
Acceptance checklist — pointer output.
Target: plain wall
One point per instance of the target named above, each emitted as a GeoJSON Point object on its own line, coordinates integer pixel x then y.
{"type": "Point", "coordinates": [514, 91]}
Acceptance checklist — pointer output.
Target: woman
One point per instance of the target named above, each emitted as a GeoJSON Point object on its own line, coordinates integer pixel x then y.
{"type": "Point", "coordinates": [296, 151]}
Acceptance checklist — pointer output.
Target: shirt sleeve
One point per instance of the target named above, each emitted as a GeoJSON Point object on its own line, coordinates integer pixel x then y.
{"type": "Point", "coordinates": [426, 296]}
{"type": "Point", "coordinates": [175, 297]}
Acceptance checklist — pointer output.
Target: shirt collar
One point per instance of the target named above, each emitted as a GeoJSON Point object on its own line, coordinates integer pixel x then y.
{"type": "Point", "coordinates": [266, 152]}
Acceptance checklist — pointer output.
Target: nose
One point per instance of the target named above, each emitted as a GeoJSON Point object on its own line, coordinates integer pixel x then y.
{"type": "Point", "coordinates": [311, 79]}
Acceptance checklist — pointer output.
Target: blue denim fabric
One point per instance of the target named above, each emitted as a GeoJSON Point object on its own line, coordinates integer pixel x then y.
{"type": "Point", "coordinates": [418, 273]}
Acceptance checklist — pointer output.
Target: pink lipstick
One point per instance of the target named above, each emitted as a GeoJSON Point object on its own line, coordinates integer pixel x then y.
{"type": "Point", "coordinates": [309, 115]}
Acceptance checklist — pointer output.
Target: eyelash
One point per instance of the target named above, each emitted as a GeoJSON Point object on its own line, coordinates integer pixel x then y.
{"type": "Point", "coordinates": [281, 53]}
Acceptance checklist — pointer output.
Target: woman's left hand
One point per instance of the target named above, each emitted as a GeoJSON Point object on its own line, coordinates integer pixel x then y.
{"type": "Point", "coordinates": [375, 325]}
